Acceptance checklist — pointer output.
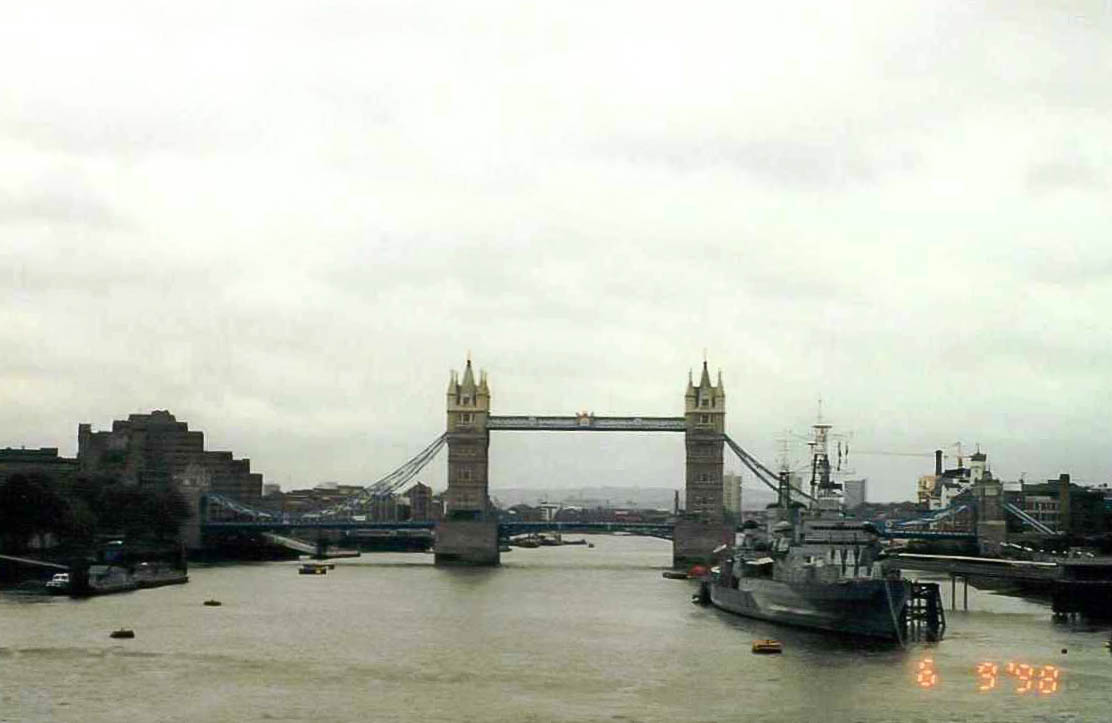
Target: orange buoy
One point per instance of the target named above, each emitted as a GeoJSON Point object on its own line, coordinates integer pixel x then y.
{"type": "Point", "coordinates": [767, 646]}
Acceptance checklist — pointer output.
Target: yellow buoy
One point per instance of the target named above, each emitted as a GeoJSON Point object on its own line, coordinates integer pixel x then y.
{"type": "Point", "coordinates": [767, 646]}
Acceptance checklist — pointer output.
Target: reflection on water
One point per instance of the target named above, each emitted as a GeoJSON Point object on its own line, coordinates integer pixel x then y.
{"type": "Point", "coordinates": [567, 633]}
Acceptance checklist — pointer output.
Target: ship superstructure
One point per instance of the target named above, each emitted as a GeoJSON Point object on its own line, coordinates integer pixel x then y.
{"type": "Point", "coordinates": [818, 568]}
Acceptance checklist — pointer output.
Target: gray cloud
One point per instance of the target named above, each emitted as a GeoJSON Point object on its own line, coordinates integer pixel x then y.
{"type": "Point", "coordinates": [58, 205]}
{"type": "Point", "coordinates": [288, 231]}
{"type": "Point", "coordinates": [1063, 176]}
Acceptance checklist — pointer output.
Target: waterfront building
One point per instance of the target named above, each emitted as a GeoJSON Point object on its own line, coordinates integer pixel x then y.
{"type": "Point", "coordinates": [420, 503]}
{"type": "Point", "coordinates": [1067, 507]}
{"type": "Point", "coordinates": [549, 510]}
{"type": "Point", "coordinates": [938, 491]}
{"type": "Point", "coordinates": [44, 460]}
{"type": "Point", "coordinates": [854, 493]}
{"type": "Point", "coordinates": [157, 449]}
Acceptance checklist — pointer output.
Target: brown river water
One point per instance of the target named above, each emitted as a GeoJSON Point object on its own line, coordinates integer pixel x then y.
{"type": "Point", "coordinates": [554, 634]}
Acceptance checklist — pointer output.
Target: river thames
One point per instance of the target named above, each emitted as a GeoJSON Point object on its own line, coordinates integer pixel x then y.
{"type": "Point", "coordinates": [554, 634]}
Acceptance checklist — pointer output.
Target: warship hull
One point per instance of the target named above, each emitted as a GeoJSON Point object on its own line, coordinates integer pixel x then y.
{"type": "Point", "coordinates": [870, 608]}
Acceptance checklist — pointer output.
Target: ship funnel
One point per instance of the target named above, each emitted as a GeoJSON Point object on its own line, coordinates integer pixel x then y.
{"type": "Point", "coordinates": [938, 463]}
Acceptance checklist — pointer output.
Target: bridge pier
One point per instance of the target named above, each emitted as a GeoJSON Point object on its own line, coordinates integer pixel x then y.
{"type": "Point", "coordinates": [990, 526]}
{"type": "Point", "coordinates": [467, 543]}
{"type": "Point", "coordinates": [694, 540]}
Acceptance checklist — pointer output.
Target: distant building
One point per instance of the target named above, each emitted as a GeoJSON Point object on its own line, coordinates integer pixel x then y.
{"type": "Point", "coordinates": [549, 510]}
{"type": "Point", "coordinates": [156, 449]}
{"type": "Point", "coordinates": [731, 495]}
{"type": "Point", "coordinates": [420, 503]}
{"type": "Point", "coordinates": [854, 493]}
{"type": "Point", "coordinates": [1067, 507]}
{"type": "Point", "coordinates": [938, 491]}
{"type": "Point", "coordinates": [144, 449]}
{"type": "Point", "coordinates": [1043, 508]}
{"type": "Point", "coordinates": [271, 488]}
{"type": "Point", "coordinates": [36, 461]}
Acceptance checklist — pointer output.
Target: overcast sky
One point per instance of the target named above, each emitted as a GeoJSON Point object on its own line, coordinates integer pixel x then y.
{"type": "Point", "coordinates": [287, 221]}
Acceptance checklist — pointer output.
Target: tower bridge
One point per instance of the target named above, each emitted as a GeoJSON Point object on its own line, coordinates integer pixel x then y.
{"type": "Point", "coordinates": [470, 530]}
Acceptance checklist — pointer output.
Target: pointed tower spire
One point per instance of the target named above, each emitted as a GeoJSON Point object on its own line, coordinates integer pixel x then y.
{"type": "Point", "coordinates": [720, 390]}
{"type": "Point", "coordinates": [468, 376]}
{"type": "Point", "coordinates": [704, 380]}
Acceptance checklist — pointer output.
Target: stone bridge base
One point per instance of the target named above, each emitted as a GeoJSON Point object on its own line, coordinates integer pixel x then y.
{"type": "Point", "coordinates": [694, 540]}
{"type": "Point", "coordinates": [990, 535]}
{"type": "Point", "coordinates": [467, 542]}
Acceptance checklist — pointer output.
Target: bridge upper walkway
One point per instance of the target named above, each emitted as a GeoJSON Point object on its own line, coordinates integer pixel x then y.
{"type": "Point", "coordinates": [587, 423]}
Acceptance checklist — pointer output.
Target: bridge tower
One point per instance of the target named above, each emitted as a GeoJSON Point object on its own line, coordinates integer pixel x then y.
{"type": "Point", "coordinates": [468, 534]}
{"type": "Point", "coordinates": [702, 527]}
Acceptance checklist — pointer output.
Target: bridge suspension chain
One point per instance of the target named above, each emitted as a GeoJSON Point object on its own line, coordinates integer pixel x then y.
{"type": "Point", "coordinates": [764, 474]}
{"type": "Point", "coordinates": [399, 477]}
{"type": "Point", "coordinates": [394, 481]}
{"type": "Point", "coordinates": [377, 490]}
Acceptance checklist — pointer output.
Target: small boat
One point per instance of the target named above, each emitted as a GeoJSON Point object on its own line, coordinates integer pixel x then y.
{"type": "Point", "coordinates": [767, 647]}
{"type": "Point", "coordinates": [59, 584]}
{"type": "Point", "coordinates": [312, 568]}
{"type": "Point", "coordinates": [674, 575]}
{"type": "Point", "coordinates": [122, 633]}
{"type": "Point", "coordinates": [212, 603]}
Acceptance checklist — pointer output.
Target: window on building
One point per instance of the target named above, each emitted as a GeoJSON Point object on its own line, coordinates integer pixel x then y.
{"type": "Point", "coordinates": [467, 418]}
{"type": "Point", "coordinates": [706, 403]}
{"type": "Point", "coordinates": [704, 419]}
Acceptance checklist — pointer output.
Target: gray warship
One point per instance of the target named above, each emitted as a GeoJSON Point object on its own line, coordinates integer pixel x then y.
{"type": "Point", "coordinates": [818, 568]}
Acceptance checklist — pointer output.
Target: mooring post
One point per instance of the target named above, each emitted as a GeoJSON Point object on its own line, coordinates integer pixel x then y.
{"type": "Point", "coordinates": [965, 596]}
{"type": "Point", "coordinates": [953, 591]}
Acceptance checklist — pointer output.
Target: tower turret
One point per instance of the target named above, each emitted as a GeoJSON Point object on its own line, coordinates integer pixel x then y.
{"type": "Point", "coordinates": [705, 412]}
{"type": "Point", "coordinates": [468, 441]}
{"type": "Point", "coordinates": [702, 528]}
{"type": "Point", "coordinates": [705, 405]}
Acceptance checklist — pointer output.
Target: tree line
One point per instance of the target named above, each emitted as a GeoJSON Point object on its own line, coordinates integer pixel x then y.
{"type": "Point", "coordinates": [77, 513]}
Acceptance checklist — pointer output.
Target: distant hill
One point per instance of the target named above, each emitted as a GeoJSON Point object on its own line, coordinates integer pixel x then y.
{"type": "Point", "coordinates": [611, 496]}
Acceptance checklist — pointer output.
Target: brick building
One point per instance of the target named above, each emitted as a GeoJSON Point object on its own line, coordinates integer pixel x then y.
{"type": "Point", "coordinates": [420, 503]}
{"type": "Point", "coordinates": [156, 449]}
